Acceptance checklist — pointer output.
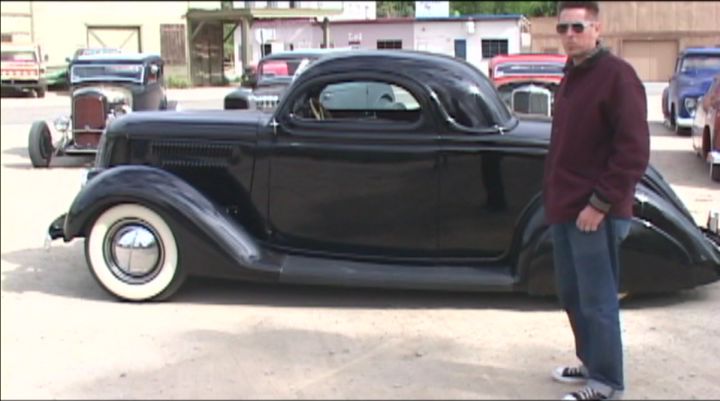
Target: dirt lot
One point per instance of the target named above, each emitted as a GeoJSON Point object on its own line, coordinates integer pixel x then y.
{"type": "Point", "coordinates": [63, 337]}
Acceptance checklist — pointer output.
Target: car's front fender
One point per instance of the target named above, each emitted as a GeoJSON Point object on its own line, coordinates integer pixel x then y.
{"type": "Point", "coordinates": [198, 221]}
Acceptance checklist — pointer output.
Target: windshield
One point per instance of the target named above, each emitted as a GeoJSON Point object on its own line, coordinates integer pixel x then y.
{"type": "Point", "coordinates": [529, 69]}
{"type": "Point", "coordinates": [701, 62]}
{"type": "Point", "coordinates": [107, 72]}
{"type": "Point", "coordinates": [19, 55]}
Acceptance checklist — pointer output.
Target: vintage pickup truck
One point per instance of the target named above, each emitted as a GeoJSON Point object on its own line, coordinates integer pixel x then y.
{"type": "Point", "coordinates": [694, 71]}
{"type": "Point", "coordinates": [22, 69]}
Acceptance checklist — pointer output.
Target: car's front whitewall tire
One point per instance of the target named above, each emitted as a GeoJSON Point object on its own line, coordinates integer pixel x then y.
{"type": "Point", "coordinates": [161, 279]}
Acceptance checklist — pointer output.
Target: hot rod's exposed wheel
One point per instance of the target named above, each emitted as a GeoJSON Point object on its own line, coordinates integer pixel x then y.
{"type": "Point", "coordinates": [133, 254]}
{"type": "Point", "coordinates": [40, 146]}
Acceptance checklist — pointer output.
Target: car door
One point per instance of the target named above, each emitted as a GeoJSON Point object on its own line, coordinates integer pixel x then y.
{"type": "Point", "coordinates": [353, 172]}
{"type": "Point", "coordinates": [488, 180]}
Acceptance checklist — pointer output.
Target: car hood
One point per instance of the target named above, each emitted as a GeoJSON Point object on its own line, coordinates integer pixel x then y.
{"type": "Point", "coordinates": [189, 124]}
{"type": "Point", "coordinates": [696, 83]}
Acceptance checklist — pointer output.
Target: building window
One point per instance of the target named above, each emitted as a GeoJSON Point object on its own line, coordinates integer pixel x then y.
{"type": "Point", "coordinates": [6, 38]}
{"type": "Point", "coordinates": [389, 44]}
{"type": "Point", "coordinates": [293, 4]}
{"type": "Point", "coordinates": [272, 4]}
{"type": "Point", "coordinates": [493, 47]}
{"type": "Point", "coordinates": [172, 43]}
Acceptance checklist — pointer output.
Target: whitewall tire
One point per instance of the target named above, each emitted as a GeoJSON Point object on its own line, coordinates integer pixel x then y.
{"type": "Point", "coordinates": [133, 254]}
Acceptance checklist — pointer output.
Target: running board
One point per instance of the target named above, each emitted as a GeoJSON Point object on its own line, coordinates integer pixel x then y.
{"type": "Point", "coordinates": [305, 270]}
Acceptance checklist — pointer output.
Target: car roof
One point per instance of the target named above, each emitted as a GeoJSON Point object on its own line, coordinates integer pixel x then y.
{"type": "Point", "coordinates": [116, 57]}
{"type": "Point", "coordinates": [454, 81]}
{"type": "Point", "coordinates": [702, 50]}
{"type": "Point", "coordinates": [303, 53]}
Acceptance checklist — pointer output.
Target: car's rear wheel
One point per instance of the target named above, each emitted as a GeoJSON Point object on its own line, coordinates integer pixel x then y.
{"type": "Point", "coordinates": [40, 146]}
{"type": "Point", "coordinates": [40, 92]}
{"type": "Point", "coordinates": [132, 252]}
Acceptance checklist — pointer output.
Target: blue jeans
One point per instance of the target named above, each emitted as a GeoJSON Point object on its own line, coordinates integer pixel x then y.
{"type": "Point", "coordinates": [587, 273]}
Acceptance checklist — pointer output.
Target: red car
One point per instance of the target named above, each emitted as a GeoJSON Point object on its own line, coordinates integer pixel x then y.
{"type": "Point", "coordinates": [527, 82]}
{"type": "Point", "coordinates": [706, 128]}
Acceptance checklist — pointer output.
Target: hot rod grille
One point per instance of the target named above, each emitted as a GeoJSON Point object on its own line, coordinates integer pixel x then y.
{"type": "Point", "coordinates": [532, 100]}
{"type": "Point", "coordinates": [88, 119]}
{"type": "Point", "coordinates": [184, 154]}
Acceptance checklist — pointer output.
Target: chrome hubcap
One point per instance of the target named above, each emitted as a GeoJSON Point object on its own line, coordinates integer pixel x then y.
{"type": "Point", "coordinates": [133, 251]}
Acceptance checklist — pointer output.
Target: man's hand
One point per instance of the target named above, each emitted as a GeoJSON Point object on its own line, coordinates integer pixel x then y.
{"type": "Point", "coordinates": [589, 219]}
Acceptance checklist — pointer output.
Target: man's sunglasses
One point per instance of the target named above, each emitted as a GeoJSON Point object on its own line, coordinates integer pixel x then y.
{"type": "Point", "coordinates": [577, 27]}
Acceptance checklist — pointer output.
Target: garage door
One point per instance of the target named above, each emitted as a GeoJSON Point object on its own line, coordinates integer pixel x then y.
{"type": "Point", "coordinates": [653, 60]}
{"type": "Point", "coordinates": [125, 38]}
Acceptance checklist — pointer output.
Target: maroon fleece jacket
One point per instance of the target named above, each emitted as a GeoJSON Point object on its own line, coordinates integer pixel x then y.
{"type": "Point", "coordinates": [600, 141]}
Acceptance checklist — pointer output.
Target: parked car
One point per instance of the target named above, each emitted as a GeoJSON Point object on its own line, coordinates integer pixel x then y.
{"type": "Point", "coordinates": [432, 185]}
{"type": "Point", "coordinates": [273, 74]}
{"type": "Point", "coordinates": [22, 69]}
{"type": "Point", "coordinates": [527, 82]}
{"type": "Point", "coordinates": [57, 76]}
{"type": "Point", "coordinates": [706, 128]}
{"type": "Point", "coordinates": [694, 70]}
{"type": "Point", "coordinates": [103, 87]}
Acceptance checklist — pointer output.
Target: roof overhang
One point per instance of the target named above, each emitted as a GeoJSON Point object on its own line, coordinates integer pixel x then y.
{"type": "Point", "coordinates": [237, 14]}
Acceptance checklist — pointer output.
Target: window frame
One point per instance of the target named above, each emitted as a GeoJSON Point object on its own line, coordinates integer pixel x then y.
{"type": "Point", "coordinates": [426, 125]}
{"type": "Point", "coordinates": [493, 41]}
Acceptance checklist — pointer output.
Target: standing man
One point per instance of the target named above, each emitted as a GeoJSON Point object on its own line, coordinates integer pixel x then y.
{"type": "Point", "coordinates": [599, 150]}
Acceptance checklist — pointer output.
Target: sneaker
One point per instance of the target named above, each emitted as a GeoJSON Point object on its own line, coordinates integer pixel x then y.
{"type": "Point", "coordinates": [588, 393]}
{"type": "Point", "coordinates": [570, 374]}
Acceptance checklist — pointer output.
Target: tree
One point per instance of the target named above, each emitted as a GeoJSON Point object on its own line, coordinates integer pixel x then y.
{"type": "Point", "coordinates": [394, 9]}
{"type": "Point", "coordinates": [526, 8]}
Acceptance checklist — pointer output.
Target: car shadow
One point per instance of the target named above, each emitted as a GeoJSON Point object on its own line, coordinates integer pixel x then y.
{"type": "Point", "coordinates": [62, 271]}
{"type": "Point", "coordinates": [56, 162]}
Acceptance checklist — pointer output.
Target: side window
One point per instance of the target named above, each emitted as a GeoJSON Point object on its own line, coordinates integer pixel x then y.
{"type": "Point", "coordinates": [358, 100]}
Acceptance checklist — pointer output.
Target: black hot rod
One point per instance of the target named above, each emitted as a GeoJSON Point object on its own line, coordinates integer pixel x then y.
{"type": "Point", "coordinates": [387, 169]}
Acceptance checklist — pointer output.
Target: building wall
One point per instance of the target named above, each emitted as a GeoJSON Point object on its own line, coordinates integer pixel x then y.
{"type": "Point", "coordinates": [432, 36]}
{"type": "Point", "coordinates": [680, 24]}
{"type": "Point", "coordinates": [439, 37]}
{"type": "Point", "coordinates": [72, 18]}
{"type": "Point", "coordinates": [16, 21]}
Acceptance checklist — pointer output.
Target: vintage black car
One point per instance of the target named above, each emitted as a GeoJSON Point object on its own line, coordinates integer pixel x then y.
{"type": "Point", "coordinates": [274, 73]}
{"type": "Point", "coordinates": [102, 87]}
{"type": "Point", "coordinates": [431, 185]}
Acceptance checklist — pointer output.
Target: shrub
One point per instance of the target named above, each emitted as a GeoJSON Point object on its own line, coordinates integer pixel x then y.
{"type": "Point", "coordinates": [177, 82]}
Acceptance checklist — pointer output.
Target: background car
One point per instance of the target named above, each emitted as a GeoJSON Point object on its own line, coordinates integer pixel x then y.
{"type": "Point", "coordinates": [57, 76]}
{"type": "Point", "coordinates": [103, 87]}
{"type": "Point", "coordinates": [22, 69]}
{"type": "Point", "coordinates": [527, 82]}
{"type": "Point", "coordinates": [374, 170]}
{"type": "Point", "coordinates": [273, 74]}
{"type": "Point", "coordinates": [706, 128]}
{"type": "Point", "coordinates": [694, 70]}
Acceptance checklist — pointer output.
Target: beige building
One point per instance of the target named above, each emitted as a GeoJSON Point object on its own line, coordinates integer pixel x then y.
{"type": "Point", "coordinates": [647, 34]}
{"type": "Point", "coordinates": [60, 28]}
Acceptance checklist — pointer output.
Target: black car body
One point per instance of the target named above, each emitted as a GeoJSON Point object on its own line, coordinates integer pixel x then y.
{"type": "Point", "coordinates": [102, 87]}
{"type": "Point", "coordinates": [274, 73]}
{"type": "Point", "coordinates": [431, 185]}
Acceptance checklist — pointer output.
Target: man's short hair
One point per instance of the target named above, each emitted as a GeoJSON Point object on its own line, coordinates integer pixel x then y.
{"type": "Point", "coordinates": [592, 7]}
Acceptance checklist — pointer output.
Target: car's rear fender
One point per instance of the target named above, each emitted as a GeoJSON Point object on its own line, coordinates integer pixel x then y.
{"type": "Point", "coordinates": [664, 250]}
{"type": "Point", "coordinates": [214, 238]}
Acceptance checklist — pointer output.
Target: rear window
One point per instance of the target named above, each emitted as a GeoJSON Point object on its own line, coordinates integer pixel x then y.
{"type": "Point", "coordinates": [18, 56]}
